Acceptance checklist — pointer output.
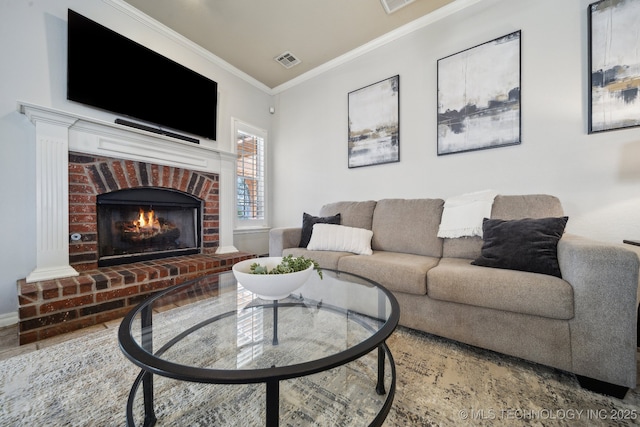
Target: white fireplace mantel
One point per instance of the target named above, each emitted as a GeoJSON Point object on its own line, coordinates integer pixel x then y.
{"type": "Point", "coordinates": [58, 132]}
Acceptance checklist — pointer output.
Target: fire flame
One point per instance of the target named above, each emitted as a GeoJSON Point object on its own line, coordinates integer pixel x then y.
{"type": "Point", "coordinates": [147, 221]}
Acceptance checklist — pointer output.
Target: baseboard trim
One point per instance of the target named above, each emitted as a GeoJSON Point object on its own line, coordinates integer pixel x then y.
{"type": "Point", "coordinates": [602, 387]}
{"type": "Point", "coordinates": [8, 319]}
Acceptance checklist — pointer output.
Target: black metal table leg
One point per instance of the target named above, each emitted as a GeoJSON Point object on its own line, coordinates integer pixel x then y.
{"type": "Point", "coordinates": [382, 310]}
{"type": "Point", "coordinates": [275, 322]}
{"type": "Point", "coordinates": [273, 386]}
{"type": "Point", "coordinates": [147, 379]}
{"type": "Point", "coordinates": [381, 359]}
{"type": "Point", "coordinates": [273, 403]}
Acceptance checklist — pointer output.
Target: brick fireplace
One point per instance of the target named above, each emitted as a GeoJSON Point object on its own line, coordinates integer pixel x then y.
{"type": "Point", "coordinates": [79, 159]}
{"type": "Point", "coordinates": [90, 176]}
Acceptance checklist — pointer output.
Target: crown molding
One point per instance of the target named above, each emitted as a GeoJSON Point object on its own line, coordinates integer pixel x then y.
{"type": "Point", "coordinates": [180, 39]}
{"type": "Point", "coordinates": [389, 37]}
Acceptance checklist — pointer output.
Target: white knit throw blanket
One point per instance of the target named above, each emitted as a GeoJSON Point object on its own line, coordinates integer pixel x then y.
{"type": "Point", "coordinates": [463, 215]}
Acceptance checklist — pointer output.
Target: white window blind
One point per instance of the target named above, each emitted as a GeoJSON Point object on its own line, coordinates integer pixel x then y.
{"type": "Point", "coordinates": [251, 176]}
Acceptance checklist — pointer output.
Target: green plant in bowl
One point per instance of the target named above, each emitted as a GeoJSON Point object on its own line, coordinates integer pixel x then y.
{"type": "Point", "coordinates": [289, 264]}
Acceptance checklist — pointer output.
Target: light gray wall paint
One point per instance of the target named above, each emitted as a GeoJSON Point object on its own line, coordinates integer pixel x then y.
{"type": "Point", "coordinates": [597, 177]}
{"type": "Point", "coordinates": [33, 46]}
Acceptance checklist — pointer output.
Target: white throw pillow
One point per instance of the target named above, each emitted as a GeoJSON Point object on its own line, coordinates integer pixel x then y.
{"type": "Point", "coordinates": [331, 237]}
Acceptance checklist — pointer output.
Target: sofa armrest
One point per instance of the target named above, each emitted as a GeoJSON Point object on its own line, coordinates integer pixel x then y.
{"type": "Point", "coordinates": [282, 238]}
{"type": "Point", "coordinates": [604, 277]}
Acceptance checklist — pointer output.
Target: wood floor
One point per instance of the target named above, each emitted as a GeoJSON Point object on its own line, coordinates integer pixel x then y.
{"type": "Point", "coordinates": [9, 346]}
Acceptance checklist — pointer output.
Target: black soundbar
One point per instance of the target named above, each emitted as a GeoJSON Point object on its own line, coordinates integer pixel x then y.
{"type": "Point", "coordinates": [156, 130]}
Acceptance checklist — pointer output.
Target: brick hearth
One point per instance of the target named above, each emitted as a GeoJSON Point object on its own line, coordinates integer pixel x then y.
{"type": "Point", "coordinates": [53, 307]}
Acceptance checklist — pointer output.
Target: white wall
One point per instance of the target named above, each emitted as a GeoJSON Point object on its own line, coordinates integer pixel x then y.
{"type": "Point", "coordinates": [597, 177]}
{"type": "Point", "coordinates": [33, 45]}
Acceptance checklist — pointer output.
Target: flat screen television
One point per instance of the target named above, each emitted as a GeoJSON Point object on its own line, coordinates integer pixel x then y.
{"type": "Point", "coordinates": [111, 72]}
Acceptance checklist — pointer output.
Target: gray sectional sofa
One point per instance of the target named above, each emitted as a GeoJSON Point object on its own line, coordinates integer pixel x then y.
{"type": "Point", "coordinates": [583, 322]}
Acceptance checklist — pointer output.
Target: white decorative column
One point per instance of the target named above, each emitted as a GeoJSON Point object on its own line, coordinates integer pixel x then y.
{"type": "Point", "coordinates": [52, 195]}
{"type": "Point", "coordinates": [227, 209]}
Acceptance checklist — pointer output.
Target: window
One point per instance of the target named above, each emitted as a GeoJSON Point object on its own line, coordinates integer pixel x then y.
{"type": "Point", "coordinates": [250, 172]}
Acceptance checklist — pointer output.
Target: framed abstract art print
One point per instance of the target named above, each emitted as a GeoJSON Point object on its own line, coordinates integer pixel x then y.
{"type": "Point", "coordinates": [374, 126]}
{"type": "Point", "coordinates": [479, 97]}
{"type": "Point", "coordinates": [614, 73]}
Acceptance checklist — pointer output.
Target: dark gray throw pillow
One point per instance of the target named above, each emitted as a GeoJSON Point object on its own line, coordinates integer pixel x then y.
{"type": "Point", "coordinates": [307, 226]}
{"type": "Point", "coordinates": [522, 244]}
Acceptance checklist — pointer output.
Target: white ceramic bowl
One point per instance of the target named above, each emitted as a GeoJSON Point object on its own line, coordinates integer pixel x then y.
{"type": "Point", "coordinates": [269, 286]}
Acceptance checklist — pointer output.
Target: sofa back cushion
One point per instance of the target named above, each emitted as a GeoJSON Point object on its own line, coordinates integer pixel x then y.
{"type": "Point", "coordinates": [408, 226]}
{"type": "Point", "coordinates": [505, 207]}
{"type": "Point", "coordinates": [352, 214]}
{"type": "Point", "coordinates": [526, 206]}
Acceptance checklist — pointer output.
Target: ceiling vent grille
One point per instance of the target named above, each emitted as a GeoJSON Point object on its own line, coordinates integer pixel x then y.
{"type": "Point", "coordinates": [392, 5]}
{"type": "Point", "coordinates": [287, 59]}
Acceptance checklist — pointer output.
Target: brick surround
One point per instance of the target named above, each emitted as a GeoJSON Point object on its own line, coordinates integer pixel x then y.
{"type": "Point", "coordinates": [90, 176]}
{"type": "Point", "coordinates": [52, 307]}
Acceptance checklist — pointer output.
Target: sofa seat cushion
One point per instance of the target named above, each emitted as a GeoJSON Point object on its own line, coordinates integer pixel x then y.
{"type": "Point", "coordinates": [326, 259]}
{"type": "Point", "coordinates": [395, 271]}
{"type": "Point", "coordinates": [456, 280]}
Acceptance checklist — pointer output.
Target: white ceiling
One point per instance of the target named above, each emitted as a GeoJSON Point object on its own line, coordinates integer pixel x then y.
{"type": "Point", "coordinates": [249, 34]}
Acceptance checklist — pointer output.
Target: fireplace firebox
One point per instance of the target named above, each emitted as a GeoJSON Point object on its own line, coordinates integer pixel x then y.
{"type": "Point", "coordinates": [140, 224]}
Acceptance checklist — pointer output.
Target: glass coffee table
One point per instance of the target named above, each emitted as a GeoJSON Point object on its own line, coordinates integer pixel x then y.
{"type": "Point", "coordinates": [212, 352]}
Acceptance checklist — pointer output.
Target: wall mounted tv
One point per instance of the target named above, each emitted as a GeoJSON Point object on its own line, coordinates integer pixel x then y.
{"type": "Point", "coordinates": [109, 71]}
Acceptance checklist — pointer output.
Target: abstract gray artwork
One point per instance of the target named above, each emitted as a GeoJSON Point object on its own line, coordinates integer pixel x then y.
{"type": "Point", "coordinates": [479, 97]}
{"type": "Point", "coordinates": [615, 65]}
{"type": "Point", "coordinates": [374, 127]}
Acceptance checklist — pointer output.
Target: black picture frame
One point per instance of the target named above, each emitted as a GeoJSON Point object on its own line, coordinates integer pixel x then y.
{"type": "Point", "coordinates": [614, 68]}
{"type": "Point", "coordinates": [374, 123]}
{"type": "Point", "coordinates": [479, 97]}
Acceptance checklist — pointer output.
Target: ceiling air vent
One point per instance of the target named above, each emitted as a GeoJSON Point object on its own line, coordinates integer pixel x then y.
{"type": "Point", "coordinates": [392, 5]}
{"type": "Point", "coordinates": [287, 59]}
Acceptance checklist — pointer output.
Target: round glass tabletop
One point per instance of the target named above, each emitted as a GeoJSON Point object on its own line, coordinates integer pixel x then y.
{"type": "Point", "coordinates": [212, 330]}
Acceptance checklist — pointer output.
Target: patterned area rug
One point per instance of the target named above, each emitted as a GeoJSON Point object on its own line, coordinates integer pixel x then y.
{"type": "Point", "coordinates": [86, 381]}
